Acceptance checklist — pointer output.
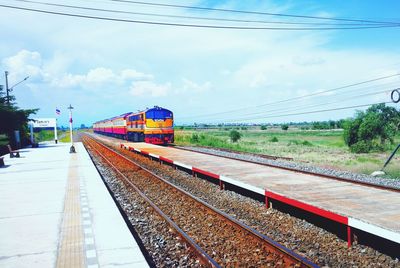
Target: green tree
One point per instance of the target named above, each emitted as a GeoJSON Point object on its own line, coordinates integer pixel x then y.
{"type": "Point", "coordinates": [12, 118]}
{"type": "Point", "coordinates": [339, 123]}
{"type": "Point", "coordinates": [263, 127]}
{"type": "Point", "coordinates": [378, 123]}
{"type": "Point", "coordinates": [235, 135]}
{"type": "Point", "coordinates": [285, 127]}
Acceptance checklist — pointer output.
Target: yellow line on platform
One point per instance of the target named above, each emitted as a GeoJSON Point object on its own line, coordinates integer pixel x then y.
{"type": "Point", "coordinates": [71, 247]}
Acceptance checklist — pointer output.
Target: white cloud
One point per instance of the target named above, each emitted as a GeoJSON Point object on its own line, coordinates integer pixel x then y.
{"type": "Point", "coordinates": [149, 88]}
{"type": "Point", "coordinates": [100, 76]}
{"type": "Point", "coordinates": [24, 63]}
{"type": "Point", "coordinates": [135, 75]}
{"type": "Point", "coordinates": [193, 87]}
{"type": "Point", "coordinates": [68, 81]}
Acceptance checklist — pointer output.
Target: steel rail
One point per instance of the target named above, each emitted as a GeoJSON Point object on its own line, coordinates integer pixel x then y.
{"type": "Point", "coordinates": [332, 177]}
{"type": "Point", "coordinates": [266, 156]}
{"type": "Point", "coordinates": [318, 174]}
{"type": "Point", "coordinates": [272, 245]}
{"type": "Point", "coordinates": [204, 257]}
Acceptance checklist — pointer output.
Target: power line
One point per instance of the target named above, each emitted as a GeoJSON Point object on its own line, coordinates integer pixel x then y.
{"type": "Point", "coordinates": [297, 98]}
{"type": "Point", "coordinates": [252, 12]}
{"type": "Point", "coordinates": [317, 111]}
{"type": "Point", "coordinates": [196, 25]}
{"type": "Point", "coordinates": [188, 17]}
{"type": "Point", "coordinates": [278, 110]}
{"type": "Point", "coordinates": [299, 108]}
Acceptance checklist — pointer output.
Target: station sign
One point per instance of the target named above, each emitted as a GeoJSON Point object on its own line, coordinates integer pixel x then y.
{"type": "Point", "coordinates": [44, 122]}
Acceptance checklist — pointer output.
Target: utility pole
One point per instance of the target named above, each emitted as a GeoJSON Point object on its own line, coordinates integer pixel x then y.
{"type": "Point", "coordinates": [9, 89]}
{"type": "Point", "coordinates": [8, 95]}
{"type": "Point", "coordinates": [72, 149]}
{"type": "Point", "coordinates": [395, 96]}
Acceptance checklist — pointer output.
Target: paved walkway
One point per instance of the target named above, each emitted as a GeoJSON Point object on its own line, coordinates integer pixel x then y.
{"type": "Point", "coordinates": [56, 212]}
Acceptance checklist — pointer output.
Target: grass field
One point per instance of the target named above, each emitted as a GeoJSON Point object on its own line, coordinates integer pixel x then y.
{"type": "Point", "coordinates": [48, 135]}
{"type": "Point", "coordinates": [325, 148]}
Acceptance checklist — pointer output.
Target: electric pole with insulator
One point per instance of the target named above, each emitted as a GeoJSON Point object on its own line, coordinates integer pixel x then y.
{"type": "Point", "coordinates": [72, 148]}
{"type": "Point", "coordinates": [9, 89]}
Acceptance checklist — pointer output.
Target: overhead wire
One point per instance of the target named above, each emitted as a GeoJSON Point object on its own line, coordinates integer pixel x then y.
{"type": "Point", "coordinates": [302, 107]}
{"type": "Point", "coordinates": [293, 109]}
{"type": "Point", "coordinates": [185, 17]}
{"type": "Point", "coordinates": [250, 12]}
{"type": "Point", "coordinates": [195, 25]}
{"type": "Point", "coordinates": [310, 112]}
{"type": "Point", "coordinates": [297, 98]}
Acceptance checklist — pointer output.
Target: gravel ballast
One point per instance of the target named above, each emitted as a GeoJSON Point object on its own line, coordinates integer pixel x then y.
{"type": "Point", "coordinates": [320, 246]}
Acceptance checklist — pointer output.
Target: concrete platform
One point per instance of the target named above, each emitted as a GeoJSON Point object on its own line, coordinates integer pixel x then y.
{"type": "Point", "coordinates": [56, 212]}
{"type": "Point", "coordinates": [372, 210]}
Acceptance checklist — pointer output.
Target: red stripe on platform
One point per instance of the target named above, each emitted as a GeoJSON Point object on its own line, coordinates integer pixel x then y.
{"type": "Point", "coordinates": [131, 149]}
{"type": "Point", "coordinates": [212, 175]}
{"type": "Point", "coordinates": [144, 152]}
{"type": "Point", "coordinates": [166, 160]}
{"type": "Point", "coordinates": [307, 207]}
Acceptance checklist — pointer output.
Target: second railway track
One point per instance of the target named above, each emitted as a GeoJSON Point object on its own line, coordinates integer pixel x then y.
{"type": "Point", "coordinates": [218, 238]}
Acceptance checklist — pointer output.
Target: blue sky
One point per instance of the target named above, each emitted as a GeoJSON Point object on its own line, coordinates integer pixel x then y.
{"type": "Point", "coordinates": [107, 68]}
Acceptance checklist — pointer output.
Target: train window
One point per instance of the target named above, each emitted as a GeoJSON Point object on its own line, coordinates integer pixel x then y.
{"type": "Point", "coordinates": [134, 118]}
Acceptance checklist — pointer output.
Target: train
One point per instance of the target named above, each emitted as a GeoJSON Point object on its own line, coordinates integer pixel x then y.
{"type": "Point", "coordinates": [153, 125]}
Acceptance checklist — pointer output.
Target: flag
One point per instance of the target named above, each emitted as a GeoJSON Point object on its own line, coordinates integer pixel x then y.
{"type": "Point", "coordinates": [70, 119]}
{"type": "Point", "coordinates": [58, 112]}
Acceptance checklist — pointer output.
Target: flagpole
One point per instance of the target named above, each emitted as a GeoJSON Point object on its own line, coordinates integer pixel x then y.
{"type": "Point", "coordinates": [55, 133]}
{"type": "Point", "coordinates": [72, 149]}
{"type": "Point", "coordinates": [55, 128]}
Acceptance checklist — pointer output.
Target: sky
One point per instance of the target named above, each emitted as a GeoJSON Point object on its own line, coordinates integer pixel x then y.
{"type": "Point", "coordinates": [105, 68]}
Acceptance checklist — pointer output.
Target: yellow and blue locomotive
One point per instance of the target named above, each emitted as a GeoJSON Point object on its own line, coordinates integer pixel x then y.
{"type": "Point", "coordinates": [154, 125]}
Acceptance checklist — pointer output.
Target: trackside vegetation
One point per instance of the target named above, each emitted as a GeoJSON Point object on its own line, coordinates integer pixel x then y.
{"type": "Point", "coordinates": [360, 144]}
{"type": "Point", "coordinates": [372, 130]}
{"type": "Point", "coordinates": [13, 118]}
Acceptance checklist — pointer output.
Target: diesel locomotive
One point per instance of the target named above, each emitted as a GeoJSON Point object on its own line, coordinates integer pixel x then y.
{"type": "Point", "coordinates": [154, 125]}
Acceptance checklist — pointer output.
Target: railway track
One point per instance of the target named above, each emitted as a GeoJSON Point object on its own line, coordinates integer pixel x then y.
{"type": "Point", "coordinates": [216, 238]}
{"type": "Point", "coordinates": [266, 156]}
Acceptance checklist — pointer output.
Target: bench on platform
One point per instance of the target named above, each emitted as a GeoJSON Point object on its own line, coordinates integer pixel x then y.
{"type": "Point", "coordinates": [13, 153]}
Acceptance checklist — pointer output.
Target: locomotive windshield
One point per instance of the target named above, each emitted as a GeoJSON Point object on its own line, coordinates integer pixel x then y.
{"type": "Point", "coordinates": [159, 114]}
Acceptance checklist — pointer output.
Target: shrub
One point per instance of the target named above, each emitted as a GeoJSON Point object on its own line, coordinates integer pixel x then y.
{"type": "Point", "coordinates": [244, 128]}
{"type": "Point", "coordinates": [194, 138]}
{"type": "Point", "coordinates": [307, 143]}
{"type": "Point", "coordinates": [361, 147]}
{"type": "Point", "coordinates": [285, 127]}
{"type": "Point", "coordinates": [293, 142]}
{"type": "Point", "coordinates": [263, 127]}
{"type": "Point", "coordinates": [274, 139]}
{"type": "Point", "coordinates": [234, 135]}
